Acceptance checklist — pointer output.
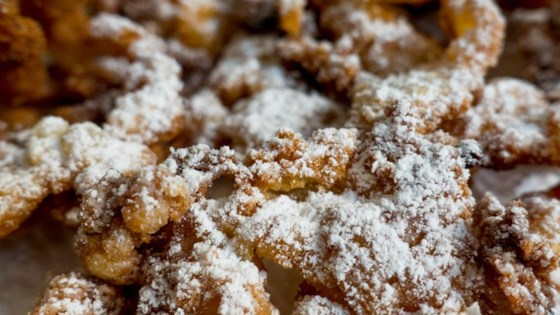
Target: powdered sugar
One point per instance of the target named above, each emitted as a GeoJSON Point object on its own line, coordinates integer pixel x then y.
{"type": "Point", "coordinates": [397, 245]}
{"type": "Point", "coordinates": [318, 305]}
{"type": "Point", "coordinates": [432, 95]}
{"type": "Point", "coordinates": [257, 119]}
{"type": "Point", "coordinates": [74, 294]}
{"type": "Point", "coordinates": [389, 41]}
{"type": "Point", "coordinates": [192, 278]}
{"type": "Point", "coordinates": [376, 216]}
{"type": "Point", "coordinates": [151, 108]}
{"type": "Point", "coordinates": [512, 123]}
{"type": "Point", "coordinates": [204, 116]}
{"type": "Point", "coordinates": [249, 65]}
{"type": "Point", "coordinates": [59, 156]}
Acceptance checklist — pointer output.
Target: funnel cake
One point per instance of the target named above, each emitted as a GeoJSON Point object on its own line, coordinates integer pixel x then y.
{"type": "Point", "coordinates": [75, 293]}
{"type": "Point", "coordinates": [514, 123]}
{"type": "Point", "coordinates": [54, 157]}
{"type": "Point", "coordinates": [519, 260]}
{"type": "Point", "coordinates": [151, 109]}
{"type": "Point", "coordinates": [197, 148]}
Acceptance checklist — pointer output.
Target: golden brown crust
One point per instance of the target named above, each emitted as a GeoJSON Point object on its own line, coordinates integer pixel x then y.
{"type": "Point", "coordinates": [514, 123]}
{"type": "Point", "coordinates": [363, 28]}
{"type": "Point", "coordinates": [200, 273]}
{"type": "Point", "coordinates": [23, 47]}
{"type": "Point", "coordinates": [206, 141]}
{"type": "Point", "coordinates": [292, 15]}
{"type": "Point", "coordinates": [249, 65]}
{"type": "Point", "coordinates": [519, 263]}
{"type": "Point", "coordinates": [121, 213]}
{"type": "Point", "coordinates": [74, 293]}
{"type": "Point", "coordinates": [53, 157]}
{"type": "Point", "coordinates": [335, 70]}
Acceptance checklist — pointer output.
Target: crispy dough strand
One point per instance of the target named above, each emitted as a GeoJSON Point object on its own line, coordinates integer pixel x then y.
{"type": "Point", "coordinates": [442, 90]}
{"type": "Point", "coordinates": [151, 108]}
{"type": "Point", "coordinates": [518, 262]}
{"type": "Point", "coordinates": [54, 157]}
{"type": "Point", "coordinates": [204, 275]}
{"type": "Point", "coordinates": [23, 47]}
{"type": "Point", "coordinates": [512, 121]}
{"type": "Point", "coordinates": [73, 293]}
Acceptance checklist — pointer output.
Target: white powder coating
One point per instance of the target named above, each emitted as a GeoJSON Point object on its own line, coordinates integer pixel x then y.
{"type": "Point", "coordinates": [288, 162]}
{"type": "Point", "coordinates": [317, 305]}
{"type": "Point", "coordinates": [193, 277]}
{"type": "Point", "coordinates": [93, 152]}
{"type": "Point", "coordinates": [74, 294]}
{"type": "Point", "coordinates": [387, 250]}
{"type": "Point", "coordinates": [432, 94]}
{"type": "Point", "coordinates": [249, 64]}
{"type": "Point", "coordinates": [286, 6]}
{"type": "Point", "coordinates": [182, 24]}
{"type": "Point", "coordinates": [257, 119]}
{"type": "Point", "coordinates": [55, 156]}
{"type": "Point", "coordinates": [388, 41]}
{"type": "Point", "coordinates": [151, 107]}
{"type": "Point", "coordinates": [544, 216]}
{"type": "Point", "coordinates": [403, 244]}
{"type": "Point", "coordinates": [31, 170]}
{"type": "Point", "coordinates": [441, 89]}
{"type": "Point", "coordinates": [511, 122]}
{"type": "Point", "coordinates": [20, 192]}
{"type": "Point", "coordinates": [329, 66]}
{"type": "Point", "coordinates": [199, 165]}
{"type": "Point", "coordinates": [479, 41]}
{"type": "Point", "coordinates": [204, 116]}
{"type": "Point", "coordinates": [183, 280]}
{"type": "Point", "coordinates": [393, 236]}
{"type": "Point", "coordinates": [518, 251]}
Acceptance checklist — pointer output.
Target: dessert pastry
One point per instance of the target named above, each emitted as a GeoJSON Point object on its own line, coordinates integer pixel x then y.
{"type": "Point", "coordinates": [195, 148]}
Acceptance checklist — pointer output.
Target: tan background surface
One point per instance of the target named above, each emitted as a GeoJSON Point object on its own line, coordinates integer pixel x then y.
{"type": "Point", "coordinates": [29, 258]}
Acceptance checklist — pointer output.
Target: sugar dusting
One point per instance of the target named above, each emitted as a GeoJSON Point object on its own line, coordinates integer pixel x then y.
{"type": "Point", "coordinates": [511, 122]}
{"type": "Point", "coordinates": [75, 294]}
{"type": "Point", "coordinates": [385, 219]}
{"type": "Point", "coordinates": [257, 119]}
{"type": "Point", "coordinates": [55, 156]}
{"type": "Point", "coordinates": [192, 277]}
{"type": "Point", "coordinates": [408, 226]}
{"type": "Point", "coordinates": [151, 106]}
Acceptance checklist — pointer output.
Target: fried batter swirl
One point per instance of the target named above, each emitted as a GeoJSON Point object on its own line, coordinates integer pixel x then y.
{"type": "Point", "coordinates": [203, 146]}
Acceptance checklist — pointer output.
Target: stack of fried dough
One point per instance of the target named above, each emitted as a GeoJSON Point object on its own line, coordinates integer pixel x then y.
{"type": "Point", "coordinates": [193, 147]}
